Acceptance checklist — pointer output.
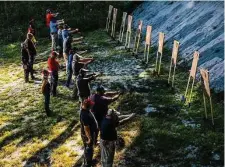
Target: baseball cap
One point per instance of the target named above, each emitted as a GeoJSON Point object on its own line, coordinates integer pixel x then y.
{"type": "Point", "coordinates": [100, 89]}
{"type": "Point", "coordinates": [88, 102]}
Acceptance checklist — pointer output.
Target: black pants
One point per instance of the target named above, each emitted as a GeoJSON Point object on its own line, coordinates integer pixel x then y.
{"type": "Point", "coordinates": [54, 82]}
{"type": "Point", "coordinates": [69, 76]}
{"type": "Point", "coordinates": [88, 151]}
{"type": "Point", "coordinates": [26, 74]}
{"type": "Point", "coordinates": [30, 66]}
{"type": "Point", "coordinates": [47, 101]}
{"type": "Point", "coordinates": [74, 95]}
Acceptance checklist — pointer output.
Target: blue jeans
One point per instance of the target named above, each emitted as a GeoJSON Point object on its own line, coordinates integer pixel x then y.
{"type": "Point", "coordinates": [69, 76]}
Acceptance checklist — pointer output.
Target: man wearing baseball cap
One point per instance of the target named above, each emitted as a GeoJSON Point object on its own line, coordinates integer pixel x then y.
{"type": "Point", "coordinates": [53, 66]}
{"type": "Point", "coordinates": [88, 129]}
{"type": "Point", "coordinates": [102, 100]}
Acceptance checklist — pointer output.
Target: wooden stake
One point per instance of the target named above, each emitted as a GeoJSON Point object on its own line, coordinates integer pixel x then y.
{"type": "Point", "coordinates": [148, 52]}
{"type": "Point", "coordinates": [129, 40]}
{"type": "Point", "coordinates": [206, 116]}
{"type": "Point", "coordinates": [126, 39]}
{"type": "Point", "coordinates": [174, 68]}
{"type": "Point", "coordinates": [145, 51]}
{"type": "Point", "coordinates": [135, 43]}
{"type": "Point", "coordinates": [156, 62]}
{"type": "Point", "coordinates": [160, 61]}
{"type": "Point", "coordinates": [170, 70]}
{"type": "Point", "coordinates": [187, 86]}
{"type": "Point", "coordinates": [191, 90]}
{"type": "Point", "coordinates": [138, 43]}
{"type": "Point", "coordinates": [210, 100]}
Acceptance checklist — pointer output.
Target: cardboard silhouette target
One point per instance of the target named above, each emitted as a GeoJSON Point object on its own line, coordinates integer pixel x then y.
{"type": "Point", "coordinates": [147, 42]}
{"type": "Point", "coordinates": [128, 34]}
{"type": "Point", "coordinates": [122, 27]}
{"type": "Point", "coordinates": [206, 92]}
{"type": "Point", "coordinates": [159, 52]}
{"type": "Point", "coordinates": [173, 61]}
{"type": "Point", "coordinates": [113, 32]}
{"type": "Point", "coordinates": [192, 75]}
{"type": "Point", "coordinates": [109, 17]}
{"type": "Point", "coordinates": [137, 37]}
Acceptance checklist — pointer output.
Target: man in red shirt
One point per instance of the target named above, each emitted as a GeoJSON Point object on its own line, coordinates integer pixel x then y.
{"type": "Point", "coordinates": [53, 67]}
{"type": "Point", "coordinates": [49, 16]}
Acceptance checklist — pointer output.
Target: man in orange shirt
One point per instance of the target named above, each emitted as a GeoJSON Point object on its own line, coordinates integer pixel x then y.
{"type": "Point", "coordinates": [53, 67]}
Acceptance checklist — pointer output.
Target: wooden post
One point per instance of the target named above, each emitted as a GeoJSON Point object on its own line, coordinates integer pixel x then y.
{"type": "Point", "coordinates": [114, 22]}
{"type": "Point", "coordinates": [160, 51]}
{"type": "Point", "coordinates": [156, 62]}
{"type": "Point", "coordinates": [210, 100]}
{"type": "Point", "coordinates": [174, 68]}
{"type": "Point", "coordinates": [122, 27]}
{"type": "Point", "coordinates": [134, 43]}
{"type": "Point", "coordinates": [148, 53]}
{"type": "Point", "coordinates": [171, 62]}
{"type": "Point", "coordinates": [145, 51]}
{"type": "Point", "coordinates": [160, 62]}
{"type": "Point", "coordinates": [191, 90]}
{"type": "Point", "coordinates": [206, 116]}
{"type": "Point", "coordinates": [187, 86]}
{"type": "Point", "coordinates": [139, 37]}
{"type": "Point", "coordinates": [108, 18]}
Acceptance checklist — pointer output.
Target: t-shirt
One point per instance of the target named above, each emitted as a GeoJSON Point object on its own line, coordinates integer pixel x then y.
{"type": "Point", "coordinates": [100, 107]}
{"type": "Point", "coordinates": [30, 46]}
{"type": "Point", "coordinates": [59, 34]}
{"type": "Point", "coordinates": [53, 64]}
{"type": "Point", "coordinates": [53, 27]}
{"type": "Point", "coordinates": [108, 130]}
{"type": "Point", "coordinates": [67, 45]}
{"type": "Point", "coordinates": [65, 34]}
{"type": "Point", "coordinates": [83, 86]}
{"type": "Point", "coordinates": [76, 66]}
{"type": "Point", "coordinates": [87, 119]}
{"type": "Point", "coordinates": [49, 16]}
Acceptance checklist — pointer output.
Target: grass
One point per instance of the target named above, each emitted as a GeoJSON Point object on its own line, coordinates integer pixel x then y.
{"type": "Point", "coordinates": [28, 137]}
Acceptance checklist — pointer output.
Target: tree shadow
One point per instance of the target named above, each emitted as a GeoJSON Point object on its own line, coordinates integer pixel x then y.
{"type": "Point", "coordinates": [53, 144]}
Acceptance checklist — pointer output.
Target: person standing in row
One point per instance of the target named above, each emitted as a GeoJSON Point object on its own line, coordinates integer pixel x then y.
{"type": "Point", "coordinates": [67, 41]}
{"type": "Point", "coordinates": [83, 84]}
{"type": "Point", "coordinates": [108, 137]}
{"type": "Point", "coordinates": [25, 62]}
{"type": "Point", "coordinates": [49, 16]}
{"type": "Point", "coordinates": [46, 90]}
{"type": "Point", "coordinates": [53, 66]}
{"type": "Point", "coordinates": [31, 50]}
{"type": "Point", "coordinates": [101, 101]}
{"type": "Point", "coordinates": [60, 40]}
{"type": "Point", "coordinates": [88, 129]}
{"type": "Point", "coordinates": [78, 62]}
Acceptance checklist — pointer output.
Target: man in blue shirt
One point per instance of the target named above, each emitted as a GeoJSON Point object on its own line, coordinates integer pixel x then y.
{"type": "Point", "coordinates": [54, 31]}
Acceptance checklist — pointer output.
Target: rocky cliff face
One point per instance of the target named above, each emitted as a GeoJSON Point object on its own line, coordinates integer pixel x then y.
{"type": "Point", "coordinates": [196, 25]}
